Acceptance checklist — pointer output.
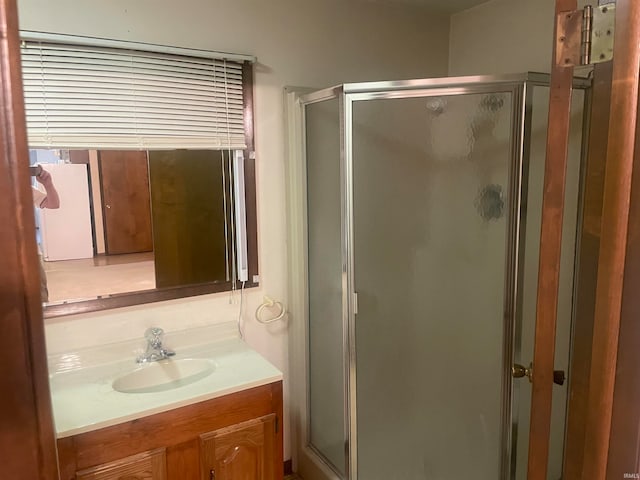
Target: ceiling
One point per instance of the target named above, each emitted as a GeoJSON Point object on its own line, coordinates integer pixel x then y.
{"type": "Point", "coordinates": [447, 6]}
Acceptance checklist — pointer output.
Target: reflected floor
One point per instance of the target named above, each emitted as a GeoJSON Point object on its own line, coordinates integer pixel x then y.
{"type": "Point", "coordinates": [101, 275]}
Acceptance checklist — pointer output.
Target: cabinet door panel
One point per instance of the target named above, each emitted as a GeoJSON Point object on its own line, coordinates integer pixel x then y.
{"type": "Point", "coordinates": [183, 460]}
{"type": "Point", "coordinates": [241, 452]}
{"type": "Point", "coordinates": [144, 466]}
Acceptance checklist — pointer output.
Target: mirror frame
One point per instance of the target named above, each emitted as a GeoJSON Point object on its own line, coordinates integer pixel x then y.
{"type": "Point", "coordinates": [118, 300]}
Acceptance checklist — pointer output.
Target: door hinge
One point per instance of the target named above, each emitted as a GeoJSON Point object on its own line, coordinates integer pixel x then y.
{"type": "Point", "coordinates": [585, 37]}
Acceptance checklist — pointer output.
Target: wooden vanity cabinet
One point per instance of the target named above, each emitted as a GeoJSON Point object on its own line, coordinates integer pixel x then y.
{"type": "Point", "coordinates": [234, 437]}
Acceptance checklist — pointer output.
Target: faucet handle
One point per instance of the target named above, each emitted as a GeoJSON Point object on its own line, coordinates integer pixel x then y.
{"type": "Point", "coordinates": [153, 332]}
{"type": "Point", "coordinates": [153, 335]}
{"type": "Point", "coordinates": [155, 350]}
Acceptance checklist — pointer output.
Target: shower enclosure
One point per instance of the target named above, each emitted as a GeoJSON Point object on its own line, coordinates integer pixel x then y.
{"type": "Point", "coordinates": [415, 223]}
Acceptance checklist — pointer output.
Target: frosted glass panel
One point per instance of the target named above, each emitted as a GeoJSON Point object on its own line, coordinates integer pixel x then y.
{"type": "Point", "coordinates": [431, 203]}
{"type": "Point", "coordinates": [326, 366]}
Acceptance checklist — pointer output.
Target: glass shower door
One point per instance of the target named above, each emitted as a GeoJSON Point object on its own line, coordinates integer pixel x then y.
{"type": "Point", "coordinates": [326, 384]}
{"type": "Point", "coordinates": [434, 236]}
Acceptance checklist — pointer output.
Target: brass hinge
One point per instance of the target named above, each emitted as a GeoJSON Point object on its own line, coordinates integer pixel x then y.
{"type": "Point", "coordinates": [585, 37]}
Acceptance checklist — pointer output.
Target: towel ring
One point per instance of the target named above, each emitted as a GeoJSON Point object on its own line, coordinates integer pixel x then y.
{"type": "Point", "coordinates": [268, 302]}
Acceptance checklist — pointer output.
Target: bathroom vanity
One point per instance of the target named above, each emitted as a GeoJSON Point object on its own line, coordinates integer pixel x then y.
{"type": "Point", "coordinates": [236, 436]}
{"type": "Point", "coordinates": [119, 420]}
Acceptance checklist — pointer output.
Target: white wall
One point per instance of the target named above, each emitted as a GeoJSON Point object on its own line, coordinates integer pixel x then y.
{"type": "Point", "coordinates": [305, 43]}
{"type": "Point", "coordinates": [502, 36]}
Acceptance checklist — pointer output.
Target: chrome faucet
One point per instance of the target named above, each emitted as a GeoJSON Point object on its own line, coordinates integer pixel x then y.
{"type": "Point", "coordinates": [155, 350]}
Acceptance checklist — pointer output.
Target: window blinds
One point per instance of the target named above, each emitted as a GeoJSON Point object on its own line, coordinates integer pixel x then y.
{"type": "Point", "coordinates": [84, 96]}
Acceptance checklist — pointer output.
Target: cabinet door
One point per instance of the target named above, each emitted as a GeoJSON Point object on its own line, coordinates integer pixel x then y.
{"type": "Point", "coordinates": [144, 466]}
{"type": "Point", "coordinates": [245, 451]}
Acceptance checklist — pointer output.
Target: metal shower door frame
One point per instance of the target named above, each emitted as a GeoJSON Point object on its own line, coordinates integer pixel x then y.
{"type": "Point", "coordinates": [308, 460]}
{"type": "Point", "coordinates": [520, 87]}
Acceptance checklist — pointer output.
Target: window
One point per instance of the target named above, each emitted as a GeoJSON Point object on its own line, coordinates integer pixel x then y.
{"type": "Point", "coordinates": [173, 106]}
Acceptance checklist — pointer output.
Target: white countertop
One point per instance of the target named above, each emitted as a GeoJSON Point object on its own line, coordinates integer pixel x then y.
{"type": "Point", "coordinates": [84, 399]}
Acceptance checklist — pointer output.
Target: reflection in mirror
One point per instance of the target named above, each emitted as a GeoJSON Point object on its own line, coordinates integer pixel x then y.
{"type": "Point", "coordinates": [132, 221]}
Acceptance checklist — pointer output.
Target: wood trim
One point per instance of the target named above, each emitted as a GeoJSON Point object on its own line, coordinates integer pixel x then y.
{"type": "Point", "coordinates": [624, 444]}
{"type": "Point", "coordinates": [27, 438]}
{"type": "Point", "coordinates": [614, 240]}
{"type": "Point", "coordinates": [549, 260]}
{"type": "Point", "coordinates": [67, 458]}
{"type": "Point", "coordinates": [119, 300]}
{"type": "Point", "coordinates": [276, 406]}
{"type": "Point", "coordinates": [250, 172]}
{"type": "Point", "coordinates": [587, 271]}
{"type": "Point", "coordinates": [247, 95]}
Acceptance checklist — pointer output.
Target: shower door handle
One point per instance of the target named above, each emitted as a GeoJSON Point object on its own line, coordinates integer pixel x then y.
{"type": "Point", "coordinates": [518, 371]}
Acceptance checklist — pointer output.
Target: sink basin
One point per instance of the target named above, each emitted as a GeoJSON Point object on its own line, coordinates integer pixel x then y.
{"type": "Point", "coordinates": [164, 375]}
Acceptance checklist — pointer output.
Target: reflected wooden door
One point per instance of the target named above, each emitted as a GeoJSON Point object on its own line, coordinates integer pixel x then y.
{"type": "Point", "coordinates": [126, 206]}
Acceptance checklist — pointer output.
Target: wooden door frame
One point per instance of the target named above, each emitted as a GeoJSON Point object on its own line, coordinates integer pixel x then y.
{"type": "Point", "coordinates": [587, 270]}
{"type": "Point", "coordinates": [27, 436]}
{"type": "Point", "coordinates": [603, 434]}
{"type": "Point", "coordinates": [612, 428]}
{"type": "Point", "coordinates": [624, 437]}
{"type": "Point", "coordinates": [560, 90]}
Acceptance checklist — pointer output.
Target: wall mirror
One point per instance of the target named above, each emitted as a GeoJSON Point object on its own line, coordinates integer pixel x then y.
{"type": "Point", "coordinates": [149, 154]}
